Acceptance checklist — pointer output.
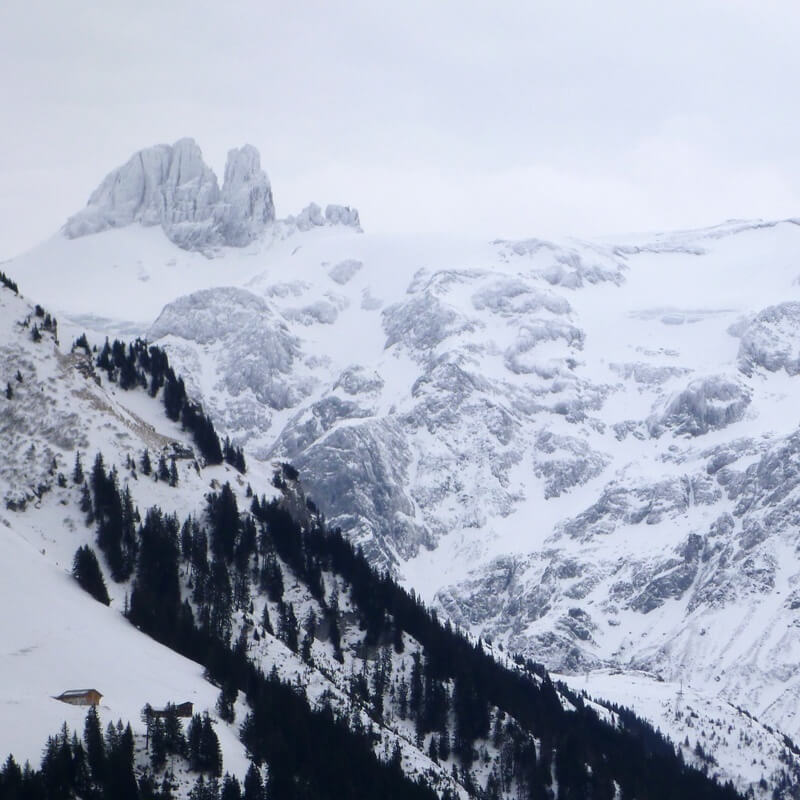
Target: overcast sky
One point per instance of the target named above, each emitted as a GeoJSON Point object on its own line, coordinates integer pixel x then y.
{"type": "Point", "coordinates": [503, 118]}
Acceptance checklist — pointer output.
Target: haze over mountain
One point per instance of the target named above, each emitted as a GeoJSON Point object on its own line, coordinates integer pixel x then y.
{"type": "Point", "coordinates": [586, 451]}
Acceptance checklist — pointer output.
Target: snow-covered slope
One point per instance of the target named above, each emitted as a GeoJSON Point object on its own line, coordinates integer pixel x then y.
{"type": "Point", "coordinates": [587, 450]}
{"type": "Point", "coordinates": [59, 406]}
{"type": "Point", "coordinates": [55, 636]}
{"type": "Point", "coordinates": [57, 409]}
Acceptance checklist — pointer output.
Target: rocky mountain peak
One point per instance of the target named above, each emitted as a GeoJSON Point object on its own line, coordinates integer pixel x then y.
{"type": "Point", "coordinates": [172, 186]}
{"type": "Point", "coordinates": [247, 206]}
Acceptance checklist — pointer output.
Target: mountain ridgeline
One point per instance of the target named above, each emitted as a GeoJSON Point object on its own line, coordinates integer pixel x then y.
{"type": "Point", "coordinates": [341, 683]}
{"type": "Point", "coordinates": [213, 586]}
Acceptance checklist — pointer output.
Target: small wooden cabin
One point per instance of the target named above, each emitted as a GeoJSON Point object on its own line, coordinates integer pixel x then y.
{"type": "Point", "coordinates": [181, 710]}
{"type": "Point", "coordinates": [80, 697]}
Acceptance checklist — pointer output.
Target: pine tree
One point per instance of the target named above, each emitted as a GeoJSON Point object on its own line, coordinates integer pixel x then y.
{"type": "Point", "coordinates": [193, 737]}
{"type": "Point", "coordinates": [173, 473]}
{"type": "Point", "coordinates": [77, 471]}
{"type": "Point", "coordinates": [173, 731]}
{"type": "Point", "coordinates": [225, 700]}
{"type": "Point", "coordinates": [266, 623]}
{"type": "Point", "coordinates": [253, 785]}
{"type": "Point", "coordinates": [146, 464]}
{"type": "Point", "coordinates": [163, 470]}
{"type": "Point", "coordinates": [86, 503]}
{"type": "Point", "coordinates": [210, 752]}
{"type": "Point", "coordinates": [309, 629]}
{"type": "Point", "coordinates": [9, 392]}
{"type": "Point", "coordinates": [86, 570]}
{"type": "Point", "coordinates": [158, 747]}
{"type": "Point", "coordinates": [230, 788]}
{"type": "Point", "coordinates": [95, 746]}
{"type": "Point", "coordinates": [287, 625]}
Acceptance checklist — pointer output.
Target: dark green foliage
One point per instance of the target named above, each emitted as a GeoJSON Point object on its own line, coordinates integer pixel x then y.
{"type": "Point", "coordinates": [86, 571]}
{"type": "Point", "coordinates": [116, 519]}
{"type": "Point", "coordinates": [93, 769]}
{"type": "Point", "coordinates": [158, 746]}
{"type": "Point", "coordinates": [271, 578]}
{"type": "Point", "coordinates": [253, 784]}
{"type": "Point", "coordinates": [95, 746]}
{"type": "Point", "coordinates": [327, 760]}
{"type": "Point", "coordinates": [174, 739]}
{"type": "Point", "coordinates": [289, 472]}
{"type": "Point", "coordinates": [172, 477]}
{"type": "Point", "coordinates": [86, 503]}
{"type": "Point", "coordinates": [8, 283]}
{"type": "Point", "coordinates": [156, 596]}
{"type": "Point", "coordinates": [77, 471]}
{"type": "Point", "coordinates": [223, 513]}
{"type": "Point", "coordinates": [203, 746]}
{"type": "Point", "coordinates": [230, 788]}
{"type": "Point", "coordinates": [453, 691]}
{"type": "Point", "coordinates": [225, 701]}
{"type": "Point", "coordinates": [287, 625]}
{"type": "Point", "coordinates": [163, 470]}
{"type": "Point", "coordinates": [83, 343]}
{"type": "Point", "coordinates": [234, 456]}
{"type": "Point", "coordinates": [205, 437]}
{"type": "Point", "coordinates": [140, 364]}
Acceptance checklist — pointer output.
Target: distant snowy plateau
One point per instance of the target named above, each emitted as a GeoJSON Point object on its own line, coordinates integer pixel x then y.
{"type": "Point", "coordinates": [588, 451]}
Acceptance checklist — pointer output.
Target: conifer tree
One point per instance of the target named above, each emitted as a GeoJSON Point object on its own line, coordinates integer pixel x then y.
{"type": "Point", "coordinates": [266, 623]}
{"type": "Point", "coordinates": [173, 473]}
{"type": "Point", "coordinates": [77, 471]}
{"type": "Point", "coordinates": [253, 784]}
{"type": "Point", "coordinates": [231, 790]}
{"type": "Point", "coordinates": [225, 700]}
{"type": "Point", "coordinates": [158, 748]}
{"type": "Point", "coordinates": [86, 571]}
{"type": "Point", "coordinates": [86, 503]}
{"type": "Point", "coordinates": [95, 746]}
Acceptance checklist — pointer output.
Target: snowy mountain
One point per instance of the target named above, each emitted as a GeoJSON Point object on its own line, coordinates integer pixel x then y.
{"type": "Point", "coordinates": [366, 691]}
{"type": "Point", "coordinates": [584, 450]}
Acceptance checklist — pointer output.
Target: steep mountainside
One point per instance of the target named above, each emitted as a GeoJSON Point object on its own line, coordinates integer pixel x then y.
{"type": "Point", "coordinates": [312, 672]}
{"type": "Point", "coordinates": [586, 451]}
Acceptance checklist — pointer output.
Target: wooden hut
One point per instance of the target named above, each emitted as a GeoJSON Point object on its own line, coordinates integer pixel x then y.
{"type": "Point", "coordinates": [80, 697]}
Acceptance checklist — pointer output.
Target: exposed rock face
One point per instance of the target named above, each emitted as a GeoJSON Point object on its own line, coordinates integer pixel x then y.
{"type": "Point", "coordinates": [600, 476]}
{"type": "Point", "coordinates": [312, 217]}
{"type": "Point", "coordinates": [344, 271]}
{"type": "Point", "coordinates": [163, 185]}
{"type": "Point", "coordinates": [246, 208]}
{"type": "Point", "coordinates": [368, 498]}
{"type": "Point", "coordinates": [255, 356]}
{"type": "Point", "coordinates": [772, 340]}
{"type": "Point", "coordinates": [171, 186]}
{"type": "Point", "coordinates": [564, 462]}
{"type": "Point", "coordinates": [705, 404]}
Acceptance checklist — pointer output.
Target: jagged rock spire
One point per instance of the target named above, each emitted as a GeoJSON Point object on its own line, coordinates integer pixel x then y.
{"type": "Point", "coordinates": [171, 186]}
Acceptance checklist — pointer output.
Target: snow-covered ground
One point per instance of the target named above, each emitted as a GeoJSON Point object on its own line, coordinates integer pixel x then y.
{"type": "Point", "coordinates": [586, 450]}
{"type": "Point", "coordinates": [733, 745]}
